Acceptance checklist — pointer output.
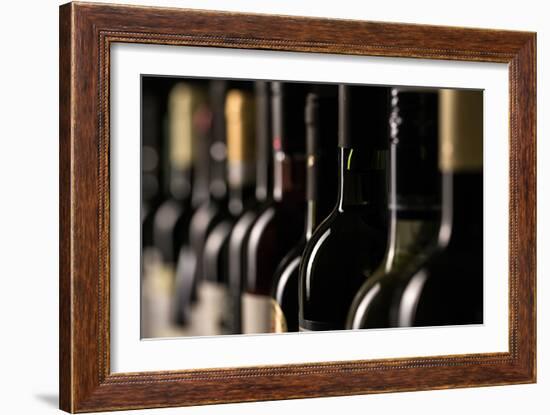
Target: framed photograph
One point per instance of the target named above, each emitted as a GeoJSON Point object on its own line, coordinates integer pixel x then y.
{"type": "Point", "coordinates": [258, 207]}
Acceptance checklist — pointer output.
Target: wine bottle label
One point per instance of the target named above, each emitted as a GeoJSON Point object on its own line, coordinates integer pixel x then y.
{"type": "Point", "coordinates": [211, 310]}
{"type": "Point", "coordinates": [460, 130]}
{"type": "Point", "coordinates": [278, 320]}
{"type": "Point", "coordinates": [157, 300]}
{"type": "Point", "coordinates": [256, 313]}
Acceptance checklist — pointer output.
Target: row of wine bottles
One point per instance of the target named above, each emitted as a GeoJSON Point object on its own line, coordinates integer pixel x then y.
{"type": "Point", "coordinates": [281, 207]}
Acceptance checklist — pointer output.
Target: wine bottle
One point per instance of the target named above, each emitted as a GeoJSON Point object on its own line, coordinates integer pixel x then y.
{"type": "Point", "coordinates": [241, 231]}
{"type": "Point", "coordinates": [448, 288]}
{"type": "Point", "coordinates": [215, 302]}
{"type": "Point", "coordinates": [184, 296]}
{"type": "Point", "coordinates": [172, 217]}
{"type": "Point", "coordinates": [352, 238]}
{"type": "Point", "coordinates": [153, 141]}
{"type": "Point", "coordinates": [321, 116]}
{"type": "Point", "coordinates": [208, 214]}
{"type": "Point", "coordinates": [153, 109]}
{"type": "Point", "coordinates": [279, 226]}
{"type": "Point", "coordinates": [413, 203]}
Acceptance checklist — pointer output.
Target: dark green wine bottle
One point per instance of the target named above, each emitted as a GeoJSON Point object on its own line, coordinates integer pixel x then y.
{"type": "Point", "coordinates": [279, 226]}
{"type": "Point", "coordinates": [201, 123]}
{"type": "Point", "coordinates": [448, 288]}
{"type": "Point", "coordinates": [209, 213]}
{"type": "Point", "coordinates": [321, 115]}
{"type": "Point", "coordinates": [153, 109]}
{"type": "Point", "coordinates": [215, 301]}
{"type": "Point", "coordinates": [413, 203]}
{"type": "Point", "coordinates": [353, 237]}
{"type": "Point", "coordinates": [241, 231]}
{"type": "Point", "coordinates": [172, 217]}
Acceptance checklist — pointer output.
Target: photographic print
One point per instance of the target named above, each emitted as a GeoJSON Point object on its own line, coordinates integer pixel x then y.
{"type": "Point", "coordinates": [273, 207]}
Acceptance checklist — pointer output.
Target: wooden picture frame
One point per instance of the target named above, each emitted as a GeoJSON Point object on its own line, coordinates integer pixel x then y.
{"type": "Point", "coordinates": [86, 33]}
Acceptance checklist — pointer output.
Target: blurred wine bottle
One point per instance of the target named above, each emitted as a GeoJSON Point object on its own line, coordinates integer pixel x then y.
{"type": "Point", "coordinates": [172, 216]}
{"type": "Point", "coordinates": [153, 107]}
{"type": "Point", "coordinates": [214, 289]}
{"type": "Point", "coordinates": [279, 226]}
{"type": "Point", "coordinates": [321, 116]}
{"type": "Point", "coordinates": [209, 213]}
{"type": "Point", "coordinates": [352, 238]}
{"type": "Point", "coordinates": [153, 157]}
{"type": "Point", "coordinates": [184, 296]}
{"type": "Point", "coordinates": [413, 203]}
{"type": "Point", "coordinates": [448, 288]}
{"type": "Point", "coordinates": [264, 188]}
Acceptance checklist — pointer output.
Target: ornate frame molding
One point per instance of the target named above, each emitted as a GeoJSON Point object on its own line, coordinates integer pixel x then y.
{"type": "Point", "coordinates": [86, 33]}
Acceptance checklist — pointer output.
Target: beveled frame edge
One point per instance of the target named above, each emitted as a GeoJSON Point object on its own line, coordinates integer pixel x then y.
{"type": "Point", "coordinates": [86, 33]}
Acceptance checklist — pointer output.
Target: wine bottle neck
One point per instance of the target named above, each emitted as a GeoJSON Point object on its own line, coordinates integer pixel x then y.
{"type": "Point", "coordinates": [320, 190]}
{"type": "Point", "coordinates": [361, 179]}
{"type": "Point", "coordinates": [408, 237]}
{"type": "Point", "coordinates": [241, 186]}
{"type": "Point", "coordinates": [239, 108]}
{"type": "Point", "coordinates": [321, 116]}
{"type": "Point", "coordinates": [264, 155]}
{"type": "Point", "coordinates": [179, 185]}
{"type": "Point", "coordinates": [201, 156]}
{"type": "Point", "coordinates": [200, 187]}
{"type": "Point", "coordinates": [461, 163]}
{"type": "Point", "coordinates": [288, 141]}
{"type": "Point", "coordinates": [239, 198]}
{"type": "Point", "coordinates": [154, 98]}
{"type": "Point", "coordinates": [218, 142]}
{"type": "Point", "coordinates": [288, 177]}
{"type": "Point", "coordinates": [217, 185]}
{"type": "Point", "coordinates": [264, 178]}
{"type": "Point", "coordinates": [179, 143]}
{"type": "Point", "coordinates": [314, 216]}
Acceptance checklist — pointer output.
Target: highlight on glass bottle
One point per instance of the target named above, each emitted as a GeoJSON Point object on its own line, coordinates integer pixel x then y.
{"type": "Point", "coordinates": [272, 206]}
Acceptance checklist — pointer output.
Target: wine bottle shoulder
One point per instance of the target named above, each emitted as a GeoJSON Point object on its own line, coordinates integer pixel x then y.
{"type": "Point", "coordinates": [370, 307]}
{"type": "Point", "coordinates": [214, 251]}
{"type": "Point", "coordinates": [204, 219]}
{"type": "Point", "coordinates": [277, 218]}
{"type": "Point", "coordinates": [169, 212]}
{"type": "Point", "coordinates": [375, 302]}
{"type": "Point", "coordinates": [286, 286]}
{"type": "Point", "coordinates": [331, 267]}
{"type": "Point", "coordinates": [436, 292]}
{"type": "Point", "coordinates": [242, 229]}
{"type": "Point", "coordinates": [272, 235]}
{"type": "Point", "coordinates": [340, 228]}
{"type": "Point", "coordinates": [288, 265]}
{"type": "Point", "coordinates": [170, 226]}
